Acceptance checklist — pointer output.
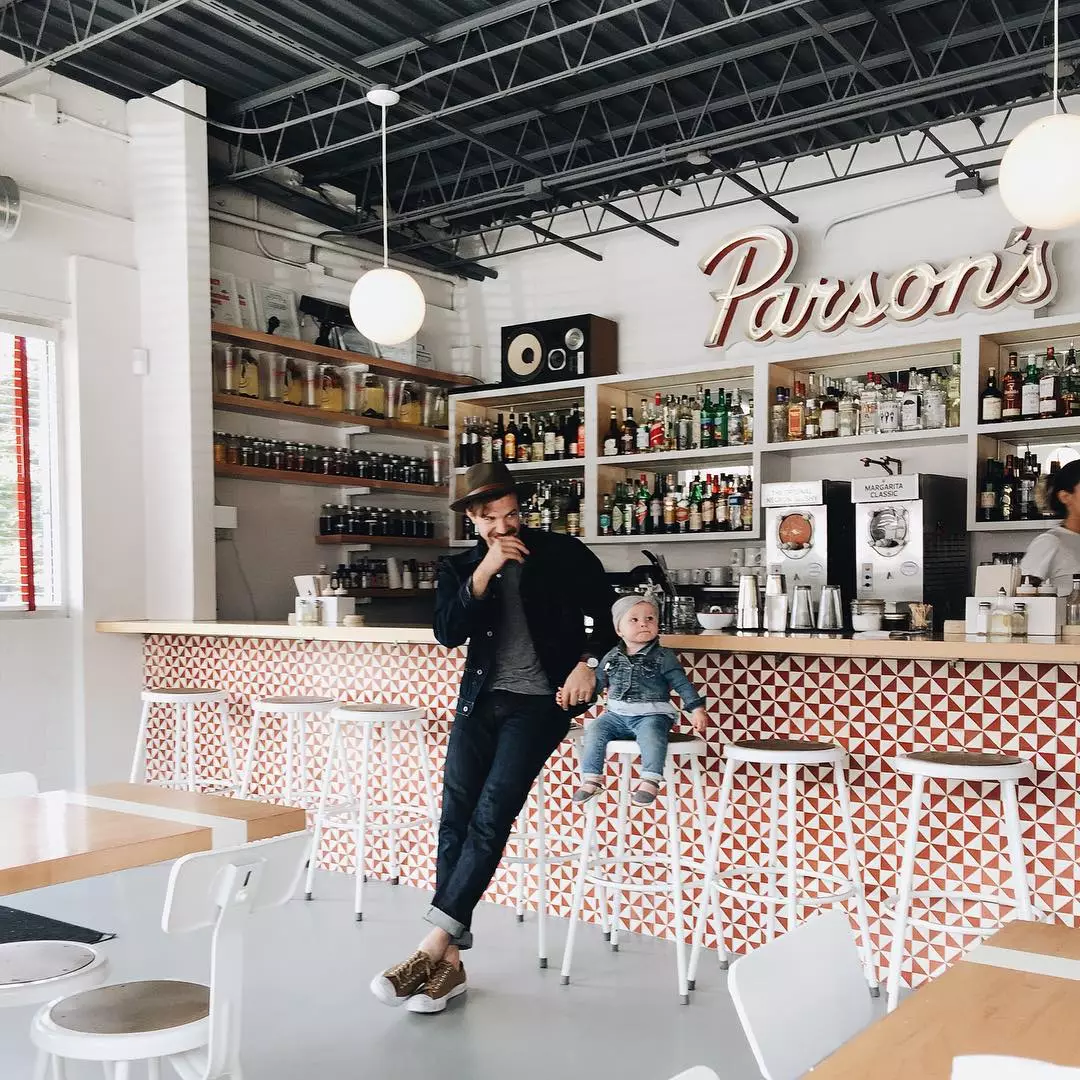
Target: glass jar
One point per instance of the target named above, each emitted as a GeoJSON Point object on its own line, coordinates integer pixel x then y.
{"type": "Point", "coordinates": [290, 457]}
{"type": "Point", "coordinates": [232, 449]}
{"type": "Point", "coordinates": [373, 397]}
{"type": "Point", "coordinates": [292, 390]}
{"type": "Point", "coordinates": [1019, 620]}
{"type": "Point", "coordinates": [411, 411]}
{"type": "Point", "coordinates": [224, 365]}
{"type": "Point", "coordinates": [247, 452]}
{"type": "Point", "coordinates": [249, 375]}
{"type": "Point", "coordinates": [331, 389]}
{"type": "Point", "coordinates": [273, 365]}
{"type": "Point", "coordinates": [220, 444]}
{"type": "Point", "coordinates": [326, 519]}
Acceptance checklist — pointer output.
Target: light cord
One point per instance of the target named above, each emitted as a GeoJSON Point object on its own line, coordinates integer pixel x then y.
{"type": "Point", "coordinates": [385, 208]}
{"type": "Point", "coordinates": [1056, 20]}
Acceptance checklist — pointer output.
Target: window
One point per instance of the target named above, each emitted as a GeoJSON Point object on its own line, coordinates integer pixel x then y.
{"type": "Point", "coordinates": [29, 526]}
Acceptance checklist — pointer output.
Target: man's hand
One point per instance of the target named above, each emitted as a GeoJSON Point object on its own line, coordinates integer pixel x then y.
{"type": "Point", "coordinates": [500, 551]}
{"type": "Point", "coordinates": [579, 688]}
{"type": "Point", "coordinates": [699, 718]}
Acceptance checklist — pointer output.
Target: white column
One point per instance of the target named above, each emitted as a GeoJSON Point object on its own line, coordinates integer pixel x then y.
{"type": "Point", "coordinates": [170, 199]}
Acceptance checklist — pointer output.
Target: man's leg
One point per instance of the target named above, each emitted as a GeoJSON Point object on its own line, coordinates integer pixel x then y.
{"type": "Point", "coordinates": [530, 729]}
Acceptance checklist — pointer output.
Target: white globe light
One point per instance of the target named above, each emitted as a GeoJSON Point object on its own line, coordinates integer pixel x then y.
{"type": "Point", "coordinates": [387, 306]}
{"type": "Point", "coordinates": [1038, 173]}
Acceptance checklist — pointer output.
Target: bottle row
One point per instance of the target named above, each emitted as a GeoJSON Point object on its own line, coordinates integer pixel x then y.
{"type": "Point", "coordinates": [341, 520]}
{"type": "Point", "coordinates": [272, 376]}
{"type": "Point", "coordinates": [1013, 489]}
{"type": "Point", "coordinates": [381, 574]}
{"type": "Point", "coordinates": [686, 422]}
{"type": "Point", "coordinates": [550, 507]}
{"type": "Point", "coordinates": [721, 503]}
{"type": "Point", "coordinates": [258, 453]}
{"type": "Point", "coordinates": [551, 436]}
{"type": "Point", "coordinates": [820, 408]}
{"type": "Point", "coordinates": [1045, 387]}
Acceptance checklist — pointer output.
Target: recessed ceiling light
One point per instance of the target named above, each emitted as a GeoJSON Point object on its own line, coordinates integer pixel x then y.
{"type": "Point", "coordinates": [1066, 69]}
{"type": "Point", "coordinates": [698, 157]}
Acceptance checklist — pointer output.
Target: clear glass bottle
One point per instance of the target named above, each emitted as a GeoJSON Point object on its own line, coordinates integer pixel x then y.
{"type": "Point", "coordinates": [778, 417]}
{"type": "Point", "coordinates": [952, 394]}
{"type": "Point", "coordinates": [1019, 620]}
{"type": "Point", "coordinates": [934, 408]}
{"type": "Point", "coordinates": [1070, 384]}
{"type": "Point", "coordinates": [911, 404]}
{"type": "Point", "coordinates": [1072, 603]}
{"type": "Point", "coordinates": [1001, 616]}
{"type": "Point", "coordinates": [847, 413]}
{"type": "Point", "coordinates": [812, 420]}
{"type": "Point", "coordinates": [1050, 386]}
{"type": "Point", "coordinates": [888, 410]}
{"type": "Point", "coordinates": [830, 413]}
{"type": "Point", "coordinates": [736, 434]}
{"type": "Point", "coordinates": [982, 618]}
{"type": "Point", "coordinates": [868, 408]}
{"type": "Point", "coordinates": [796, 429]}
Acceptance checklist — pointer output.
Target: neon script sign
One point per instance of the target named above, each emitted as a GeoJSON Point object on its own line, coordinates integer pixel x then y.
{"type": "Point", "coordinates": [757, 264]}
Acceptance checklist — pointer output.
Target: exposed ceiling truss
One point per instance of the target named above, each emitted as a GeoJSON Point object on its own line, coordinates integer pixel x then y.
{"type": "Point", "coordinates": [569, 119]}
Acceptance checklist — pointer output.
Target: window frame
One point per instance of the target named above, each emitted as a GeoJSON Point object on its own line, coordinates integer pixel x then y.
{"type": "Point", "coordinates": [59, 608]}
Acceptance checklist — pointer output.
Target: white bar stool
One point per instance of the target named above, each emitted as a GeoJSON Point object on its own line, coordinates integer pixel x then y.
{"type": "Point", "coordinates": [295, 709]}
{"type": "Point", "coordinates": [612, 873]}
{"type": "Point", "coordinates": [183, 702]}
{"type": "Point", "coordinates": [363, 723]}
{"type": "Point", "coordinates": [784, 757]}
{"type": "Point", "coordinates": [1002, 769]}
{"type": "Point", "coordinates": [529, 849]}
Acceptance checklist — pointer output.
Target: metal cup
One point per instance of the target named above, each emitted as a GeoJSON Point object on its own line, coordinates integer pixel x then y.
{"type": "Point", "coordinates": [748, 615]}
{"type": "Point", "coordinates": [802, 610]}
{"type": "Point", "coordinates": [829, 615]}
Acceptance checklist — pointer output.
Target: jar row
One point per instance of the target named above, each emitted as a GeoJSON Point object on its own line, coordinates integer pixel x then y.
{"type": "Point", "coordinates": [341, 520]}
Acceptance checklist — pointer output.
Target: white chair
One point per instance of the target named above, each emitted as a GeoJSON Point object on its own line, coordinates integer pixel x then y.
{"type": "Point", "coordinates": [1001, 769]}
{"type": "Point", "coordinates": [183, 703]}
{"type": "Point", "coordinates": [14, 785]}
{"type": "Point", "coordinates": [615, 874]}
{"type": "Point", "coordinates": [361, 723]}
{"type": "Point", "coordinates": [698, 1072]}
{"type": "Point", "coordinates": [536, 849]}
{"type": "Point", "coordinates": [992, 1067]}
{"type": "Point", "coordinates": [193, 1027]}
{"type": "Point", "coordinates": [295, 710]}
{"type": "Point", "coordinates": [801, 996]}
{"type": "Point", "coordinates": [785, 886]}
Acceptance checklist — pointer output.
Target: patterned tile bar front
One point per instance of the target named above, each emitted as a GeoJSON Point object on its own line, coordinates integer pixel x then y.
{"type": "Point", "coordinates": [874, 708]}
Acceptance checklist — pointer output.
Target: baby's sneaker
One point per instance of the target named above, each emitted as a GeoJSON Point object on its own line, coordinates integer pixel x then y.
{"type": "Point", "coordinates": [589, 790]}
{"type": "Point", "coordinates": [645, 793]}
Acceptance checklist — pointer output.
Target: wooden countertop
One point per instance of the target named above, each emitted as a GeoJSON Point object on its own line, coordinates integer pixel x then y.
{"type": "Point", "coordinates": [955, 647]}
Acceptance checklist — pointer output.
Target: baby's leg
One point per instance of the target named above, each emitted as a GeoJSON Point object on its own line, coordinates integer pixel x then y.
{"type": "Point", "coordinates": [651, 733]}
{"type": "Point", "coordinates": [598, 734]}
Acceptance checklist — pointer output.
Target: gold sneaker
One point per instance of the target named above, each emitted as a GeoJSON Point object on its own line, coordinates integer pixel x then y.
{"type": "Point", "coordinates": [446, 983]}
{"type": "Point", "coordinates": [397, 984]}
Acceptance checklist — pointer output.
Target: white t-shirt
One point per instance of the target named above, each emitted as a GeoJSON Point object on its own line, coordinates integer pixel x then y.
{"type": "Point", "coordinates": [1054, 556]}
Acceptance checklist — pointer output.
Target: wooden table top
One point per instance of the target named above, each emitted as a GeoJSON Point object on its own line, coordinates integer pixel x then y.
{"type": "Point", "coordinates": [1018, 994]}
{"type": "Point", "coordinates": [67, 835]}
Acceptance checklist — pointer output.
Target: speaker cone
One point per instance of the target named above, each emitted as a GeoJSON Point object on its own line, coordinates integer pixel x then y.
{"type": "Point", "coordinates": [523, 356]}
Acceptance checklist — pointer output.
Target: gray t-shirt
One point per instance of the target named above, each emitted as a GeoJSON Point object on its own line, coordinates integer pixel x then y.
{"type": "Point", "coordinates": [1054, 556]}
{"type": "Point", "coordinates": [517, 667]}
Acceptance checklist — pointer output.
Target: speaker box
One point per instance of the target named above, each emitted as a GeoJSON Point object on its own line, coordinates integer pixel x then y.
{"type": "Point", "coordinates": [551, 350]}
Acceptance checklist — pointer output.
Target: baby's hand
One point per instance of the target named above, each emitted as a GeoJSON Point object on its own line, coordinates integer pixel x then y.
{"type": "Point", "coordinates": [700, 720]}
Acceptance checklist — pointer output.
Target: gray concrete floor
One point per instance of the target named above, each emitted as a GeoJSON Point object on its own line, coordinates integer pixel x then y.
{"type": "Point", "coordinates": [309, 1013]}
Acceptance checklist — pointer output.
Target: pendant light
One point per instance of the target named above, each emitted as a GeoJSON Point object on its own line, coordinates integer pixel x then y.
{"type": "Point", "coordinates": [386, 305]}
{"type": "Point", "coordinates": [1038, 170]}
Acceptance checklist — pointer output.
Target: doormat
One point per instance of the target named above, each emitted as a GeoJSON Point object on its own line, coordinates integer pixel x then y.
{"type": "Point", "coordinates": [17, 925]}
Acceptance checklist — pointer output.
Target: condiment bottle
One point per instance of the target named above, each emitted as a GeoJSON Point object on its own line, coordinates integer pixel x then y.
{"type": "Point", "coordinates": [1001, 616]}
{"type": "Point", "coordinates": [982, 618]}
{"type": "Point", "coordinates": [1019, 620]}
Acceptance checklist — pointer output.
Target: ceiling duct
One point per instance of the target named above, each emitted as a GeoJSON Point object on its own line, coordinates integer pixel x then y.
{"type": "Point", "coordinates": [10, 207]}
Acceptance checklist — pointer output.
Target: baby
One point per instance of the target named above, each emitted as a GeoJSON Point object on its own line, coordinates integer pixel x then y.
{"type": "Point", "coordinates": [639, 675]}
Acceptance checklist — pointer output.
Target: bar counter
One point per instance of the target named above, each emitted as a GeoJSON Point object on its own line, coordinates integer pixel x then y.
{"type": "Point", "coordinates": [875, 697]}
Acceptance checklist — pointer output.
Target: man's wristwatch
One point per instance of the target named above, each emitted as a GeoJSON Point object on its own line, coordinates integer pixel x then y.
{"type": "Point", "coordinates": [590, 661]}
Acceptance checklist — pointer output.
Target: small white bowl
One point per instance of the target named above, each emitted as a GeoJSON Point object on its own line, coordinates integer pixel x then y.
{"type": "Point", "coordinates": [861, 623]}
{"type": "Point", "coordinates": [716, 620]}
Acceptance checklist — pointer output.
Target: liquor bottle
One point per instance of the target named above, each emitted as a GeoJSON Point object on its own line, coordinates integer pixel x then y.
{"type": "Point", "coordinates": [708, 505]}
{"type": "Point", "coordinates": [580, 413]}
{"type": "Point", "coordinates": [547, 514]}
{"type": "Point", "coordinates": [1029, 392]}
{"type": "Point", "coordinates": [487, 452]}
{"type": "Point", "coordinates": [534, 519]}
{"type": "Point", "coordinates": [748, 503]}
{"type": "Point", "coordinates": [656, 506]}
{"type": "Point", "coordinates": [694, 523]}
{"type": "Point", "coordinates": [736, 432]}
{"type": "Point", "coordinates": [560, 425]}
{"type": "Point", "coordinates": [911, 404]}
{"type": "Point", "coordinates": [796, 422]}
{"type": "Point", "coordinates": [463, 444]}
{"type": "Point", "coordinates": [1011, 390]}
{"type": "Point", "coordinates": [628, 434]}
{"type": "Point", "coordinates": [778, 417]}
{"type": "Point", "coordinates": [934, 409]}
{"type": "Point", "coordinates": [723, 521]}
{"type": "Point", "coordinates": [656, 426]}
{"type": "Point", "coordinates": [812, 409]}
{"type": "Point", "coordinates": [847, 414]}
{"type": "Point", "coordinates": [641, 436]}
{"type": "Point", "coordinates": [1008, 496]}
{"type": "Point", "coordinates": [604, 527]}
{"type": "Point", "coordinates": [1028, 476]}
{"type": "Point", "coordinates": [629, 499]}
{"type": "Point", "coordinates": [695, 419]}
{"type": "Point", "coordinates": [708, 421]}
{"type": "Point", "coordinates": [498, 440]}
{"type": "Point", "coordinates": [868, 406]}
{"type": "Point", "coordinates": [573, 508]}
{"type": "Point", "coordinates": [1050, 386]}
{"type": "Point", "coordinates": [988, 493]}
{"type": "Point", "coordinates": [539, 442]}
{"type": "Point", "coordinates": [684, 437]}
{"type": "Point", "coordinates": [888, 410]}
{"type": "Point", "coordinates": [735, 502]}
{"type": "Point", "coordinates": [721, 419]}
{"type": "Point", "coordinates": [1070, 384]}
{"type": "Point", "coordinates": [746, 403]}
{"type": "Point", "coordinates": [990, 408]}
{"type": "Point", "coordinates": [617, 511]}
{"type": "Point", "coordinates": [524, 441]}
{"type": "Point", "coordinates": [474, 441]}
{"type": "Point", "coordinates": [611, 440]}
{"type": "Point", "coordinates": [682, 509]}
{"type": "Point", "coordinates": [830, 413]}
{"type": "Point", "coordinates": [952, 394]}
{"type": "Point", "coordinates": [510, 440]}
{"type": "Point", "coordinates": [670, 524]}
{"type": "Point", "coordinates": [642, 522]}
{"type": "Point", "coordinates": [1072, 603]}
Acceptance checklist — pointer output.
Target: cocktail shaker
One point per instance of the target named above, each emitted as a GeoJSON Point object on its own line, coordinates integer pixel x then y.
{"type": "Point", "coordinates": [748, 614]}
{"type": "Point", "coordinates": [830, 614]}
{"type": "Point", "coordinates": [802, 608]}
{"type": "Point", "coordinates": [776, 604]}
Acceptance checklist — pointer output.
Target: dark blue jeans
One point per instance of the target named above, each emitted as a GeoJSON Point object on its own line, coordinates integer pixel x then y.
{"type": "Point", "coordinates": [492, 759]}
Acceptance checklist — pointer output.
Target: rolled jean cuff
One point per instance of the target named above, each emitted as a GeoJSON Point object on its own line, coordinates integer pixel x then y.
{"type": "Point", "coordinates": [460, 935]}
{"type": "Point", "coordinates": [655, 777]}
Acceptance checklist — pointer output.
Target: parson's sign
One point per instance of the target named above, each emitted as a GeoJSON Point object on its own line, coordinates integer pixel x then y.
{"type": "Point", "coordinates": [753, 267]}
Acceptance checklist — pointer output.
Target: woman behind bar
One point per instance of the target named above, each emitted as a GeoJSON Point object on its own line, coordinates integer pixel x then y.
{"type": "Point", "coordinates": [519, 598]}
{"type": "Point", "coordinates": [1055, 554]}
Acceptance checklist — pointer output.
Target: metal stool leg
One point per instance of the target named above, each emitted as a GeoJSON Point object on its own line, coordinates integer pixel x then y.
{"type": "Point", "coordinates": [541, 869]}
{"type": "Point", "coordinates": [903, 901]}
{"type": "Point", "coordinates": [230, 750]}
{"type": "Point", "coordinates": [301, 738]}
{"type": "Point", "coordinates": [773, 855]}
{"type": "Point", "coordinates": [361, 823]}
{"type": "Point", "coordinates": [189, 723]}
{"type": "Point", "coordinates": [391, 811]}
{"type": "Point", "coordinates": [622, 823]}
{"type": "Point", "coordinates": [674, 842]}
{"type": "Point", "coordinates": [1013, 838]}
{"type": "Point", "coordinates": [178, 714]}
{"type": "Point", "coordinates": [579, 890]}
{"type": "Point", "coordinates": [320, 813]}
{"type": "Point", "coordinates": [791, 879]}
{"type": "Point", "coordinates": [290, 765]}
{"type": "Point", "coordinates": [138, 762]}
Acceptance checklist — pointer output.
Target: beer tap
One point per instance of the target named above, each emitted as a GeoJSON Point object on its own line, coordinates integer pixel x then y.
{"type": "Point", "coordinates": [886, 463]}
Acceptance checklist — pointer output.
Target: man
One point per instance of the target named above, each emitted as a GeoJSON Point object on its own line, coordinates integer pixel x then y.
{"type": "Point", "coordinates": [519, 599]}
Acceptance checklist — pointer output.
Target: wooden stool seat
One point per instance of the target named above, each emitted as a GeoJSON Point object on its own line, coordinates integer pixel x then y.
{"type": "Point", "coordinates": [132, 1008]}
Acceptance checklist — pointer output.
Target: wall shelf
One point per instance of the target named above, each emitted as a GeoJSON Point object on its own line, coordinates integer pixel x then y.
{"type": "Point", "coordinates": [280, 476]}
{"type": "Point", "coordinates": [739, 536]}
{"type": "Point", "coordinates": [235, 335]}
{"type": "Point", "coordinates": [892, 438]}
{"type": "Point", "coordinates": [1013, 526]}
{"type": "Point", "coordinates": [352, 540]}
{"type": "Point", "coordinates": [304, 414]}
{"type": "Point", "coordinates": [1033, 429]}
{"type": "Point", "coordinates": [563, 467]}
{"type": "Point", "coordinates": [680, 459]}
{"type": "Point", "coordinates": [391, 594]}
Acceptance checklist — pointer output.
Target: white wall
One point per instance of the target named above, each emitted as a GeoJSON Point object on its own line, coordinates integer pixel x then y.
{"type": "Point", "coordinates": [661, 301]}
{"type": "Point", "coordinates": [72, 269]}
